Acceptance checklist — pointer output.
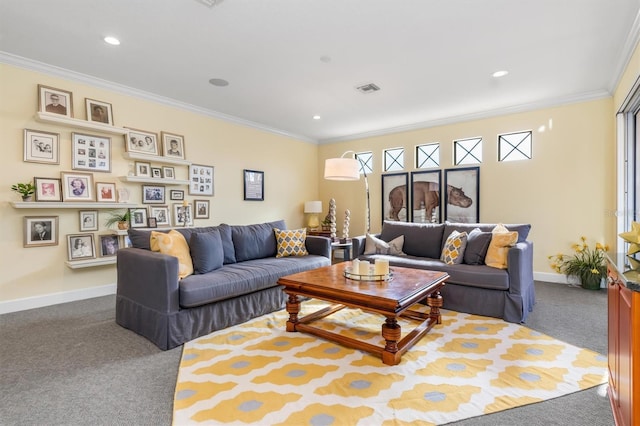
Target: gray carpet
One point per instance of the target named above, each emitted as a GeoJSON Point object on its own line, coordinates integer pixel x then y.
{"type": "Point", "coordinates": [71, 364]}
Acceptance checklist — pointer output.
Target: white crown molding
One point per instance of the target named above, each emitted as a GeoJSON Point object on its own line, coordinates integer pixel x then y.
{"type": "Point", "coordinates": [52, 70]}
{"type": "Point", "coordinates": [548, 103]}
{"type": "Point", "coordinates": [626, 53]}
{"type": "Point", "coordinates": [55, 298]}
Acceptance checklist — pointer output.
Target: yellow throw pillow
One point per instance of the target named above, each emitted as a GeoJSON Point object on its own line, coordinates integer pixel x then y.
{"type": "Point", "coordinates": [173, 244]}
{"type": "Point", "coordinates": [291, 242]}
{"type": "Point", "coordinates": [501, 241]}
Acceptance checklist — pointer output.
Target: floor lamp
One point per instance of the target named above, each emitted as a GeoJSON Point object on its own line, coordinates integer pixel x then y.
{"type": "Point", "coordinates": [348, 169]}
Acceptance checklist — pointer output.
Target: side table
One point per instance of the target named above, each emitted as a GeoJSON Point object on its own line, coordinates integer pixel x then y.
{"type": "Point", "coordinates": [346, 251]}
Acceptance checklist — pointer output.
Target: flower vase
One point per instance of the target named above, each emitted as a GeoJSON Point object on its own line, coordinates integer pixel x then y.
{"type": "Point", "coordinates": [590, 281]}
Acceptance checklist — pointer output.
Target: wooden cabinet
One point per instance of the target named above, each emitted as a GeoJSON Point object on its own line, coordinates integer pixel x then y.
{"type": "Point", "coordinates": [623, 288]}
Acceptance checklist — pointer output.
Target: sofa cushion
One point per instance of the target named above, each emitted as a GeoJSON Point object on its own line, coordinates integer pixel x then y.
{"type": "Point", "coordinates": [255, 241]}
{"type": "Point", "coordinates": [420, 239]}
{"type": "Point", "coordinates": [291, 242]}
{"type": "Point", "coordinates": [206, 249]}
{"type": "Point", "coordinates": [374, 245]}
{"type": "Point", "coordinates": [453, 251]}
{"type": "Point", "coordinates": [477, 245]}
{"type": "Point", "coordinates": [521, 228]}
{"type": "Point", "coordinates": [173, 244]}
{"type": "Point", "coordinates": [501, 241]}
{"type": "Point", "coordinates": [142, 239]}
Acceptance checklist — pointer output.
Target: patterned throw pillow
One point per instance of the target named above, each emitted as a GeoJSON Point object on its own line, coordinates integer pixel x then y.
{"type": "Point", "coordinates": [291, 242]}
{"type": "Point", "coordinates": [173, 244]}
{"type": "Point", "coordinates": [453, 251]}
{"type": "Point", "coordinates": [374, 245]}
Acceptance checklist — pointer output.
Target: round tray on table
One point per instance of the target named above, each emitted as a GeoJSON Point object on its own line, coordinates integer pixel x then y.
{"type": "Point", "coordinates": [348, 273]}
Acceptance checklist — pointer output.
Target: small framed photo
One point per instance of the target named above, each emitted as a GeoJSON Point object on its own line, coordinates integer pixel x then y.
{"type": "Point", "coordinates": [153, 194]}
{"type": "Point", "coordinates": [394, 197]}
{"type": "Point", "coordinates": [160, 214]}
{"type": "Point", "coordinates": [143, 169]}
{"type": "Point", "coordinates": [156, 172]}
{"type": "Point", "coordinates": [462, 194]}
{"type": "Point", "coordinates": [109, 245]}
{"type": "Point", "coordinates": [253, 185]}
{"type": "Point", "coordinates": [41, 147]}
{"type": "Point", "coordinates": [40, 231]}
{"type": "Point", "coordinates": [77, 186]}
{"type": "Point", "coordinates": [142, 142]}
{"type": "Point", "coordinates": [138, 217]}
{"type": "Point", "coordinates": [88, 220]}
{"type": "Point", "coordinates": [182, 214]}
{"type": "Point", "coordinates": [99, 112]}
{"type": "Point", "coordinates": [200, 180]}
{"type": "Point", "coordinates": [90, 152]}
{"type": "Point", "coordinates": [176, 195]}
{"type": "Point", "coordinates": [47, 189]}
{"type": "Point", "coordinates": [201, 209]}
{"type": "Point", "coordinates": [80, 246]}
{"type": "Point", "coordinates": [55, 101]}
{"type": "Point", "coordinates": [172, 145]}
{"type": "Point", "coordinates": [168, 172]}
{"type": "Point", "coordinates": [152, 222]}
{"type": "Point", "coordinates": [106, 192]}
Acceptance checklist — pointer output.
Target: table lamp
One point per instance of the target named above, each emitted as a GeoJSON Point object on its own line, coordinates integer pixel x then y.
{"type": "Point", "coordinates": [312, 208]}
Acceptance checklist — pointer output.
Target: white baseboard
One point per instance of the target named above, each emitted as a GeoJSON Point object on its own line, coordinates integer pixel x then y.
{"type": "Point", "coordinates": [551, 277]}
{"type": "Point", "coordinates": [55, 298]}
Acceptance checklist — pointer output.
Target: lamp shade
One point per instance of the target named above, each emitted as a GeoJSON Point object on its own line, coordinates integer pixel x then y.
{"type": "Point", "coordinates": [341, 169]}
{"type": "Point", "coordinates": [313, 207]}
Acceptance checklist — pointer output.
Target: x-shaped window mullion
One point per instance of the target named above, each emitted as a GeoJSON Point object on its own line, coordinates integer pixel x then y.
{"type": "Point", "coordinates": [515, 147]}
{"type": "Point", "coordinates": [429, 156]}
{"type": "Point", "coordinates": [394, 159]}
{"type": "Point", "coordinates": [468, 151]}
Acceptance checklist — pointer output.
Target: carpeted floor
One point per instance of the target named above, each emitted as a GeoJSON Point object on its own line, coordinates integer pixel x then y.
{"type": "Point", "coordinates": [257, 373]}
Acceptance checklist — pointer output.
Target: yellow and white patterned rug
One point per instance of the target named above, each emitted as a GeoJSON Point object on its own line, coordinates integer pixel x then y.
{"type": "Point", "coordinates": [257, 373]}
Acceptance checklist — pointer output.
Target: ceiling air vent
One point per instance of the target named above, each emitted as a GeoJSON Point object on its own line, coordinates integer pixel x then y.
{"type": "Point", "coordinates": [368, 88]}
{"type": "Point", "coordinates": [210, 3]}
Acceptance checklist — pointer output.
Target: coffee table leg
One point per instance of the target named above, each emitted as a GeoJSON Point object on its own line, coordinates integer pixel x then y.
{"type": "Point", "coordinates": [391, 332]}
{"type": "Point", "coordinates": [434, 301]}
{"type": "Point", "coordinates": [293, 308]}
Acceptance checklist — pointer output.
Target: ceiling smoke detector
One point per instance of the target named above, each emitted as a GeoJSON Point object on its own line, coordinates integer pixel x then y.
{"type": "Point", "coordinates": [368, 88]}
{"type": "Point", "coordinates": [210, 3]}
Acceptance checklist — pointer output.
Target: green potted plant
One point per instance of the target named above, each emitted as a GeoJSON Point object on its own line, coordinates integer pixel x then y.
{"type": "Point", "coordinates": [120, 218]}
{"type": "Point", "coordinates": [586, 263]}
{"type": "Point", "coordinates": [26, 190]}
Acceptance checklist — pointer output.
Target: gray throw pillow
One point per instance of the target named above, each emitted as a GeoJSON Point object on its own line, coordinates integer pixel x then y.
{"type": "Point", "coordinates": [477, 245]}
{"type": "Point", "coordinates": [207, 253]}
{"type": "Point", "coordinates": [255, 241]}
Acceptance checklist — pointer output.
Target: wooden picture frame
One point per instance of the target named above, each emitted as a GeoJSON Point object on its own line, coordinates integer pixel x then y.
{"type": "Point", "coordinates": [90, 152]}
{"type": "Point", "coordinates": [88, 220]}
{"type": "Point", "coordinates": [143, 169]}
{"type": "Point", "coordinates": [395, 197]}
{"type": "Point", "coordinates": [141, 142]}
{"type": "Point", "coordinates": [153, 194]}
{"type": "Point", "coordinates": [55, 101]}
{"type": "Point", "coordinates": [176, 194]}
{"type": "Point", "coordinates": [77, 186]}
{"type": "Point", "coordinates": [109, 245]}
{"type": "Point", "coordinates": [173, 145]}
{"type": "Point", "coordinates": [253, 183]}
{"type": "Point", "coordinates": [201, 209]}
{"type": "Point", "coordinates": [426, 196]}
{"type": "Point", "coordinates": [47, 189]}
{"type": "Point", "coordinates": [161, 214]}
{"type": "Point", "coordinates": [40, 231]}
{"type": "Point", "coordinates": [80, 247]}
{"type": "Point", "coordinates": [156, 172]}
{"type": "Point", "coordinates": [200, 180]}
{"type": "Point", "coordinates": [99, 112]}
{"type": "Point", "coordinates": [105, 192]}
{"type": "Point", "coordinates": [168, 172]}
{"type": "Point", "coordinates": [462, 195]}
{"type": "Point", "coordinates": [138, 217]}
{"type": "Point", "coordinates": [179, 212]}
{"type": "Point", "coordinates": [152, 222]}
{"type": "Point", "coordinates": [41, 147]}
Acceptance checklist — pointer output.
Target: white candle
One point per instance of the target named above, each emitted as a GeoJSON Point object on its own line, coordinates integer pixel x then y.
{"type": "Point", "coordinates": [364, 267]}
{"type": "Point", "coordinates": [381, 267]}
{"type": "Point", "coordinates": [355, 266]}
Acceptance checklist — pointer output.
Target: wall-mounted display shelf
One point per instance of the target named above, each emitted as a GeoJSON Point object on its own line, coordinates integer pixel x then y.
{"type": "Point", "coordinates": [45, 117]}
{"type": "Point", "coordinates": [155, 159]}
{"type": "Point", "coordinates": [89, 263]}
{"type": "Point", "coordinates": [156, 181]}
{"type": "Point", "coordinates": [84, 205]}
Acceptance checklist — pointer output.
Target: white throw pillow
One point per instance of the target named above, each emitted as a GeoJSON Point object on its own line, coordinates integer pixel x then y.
{"type": "Point", "coordinates": [374, 245]}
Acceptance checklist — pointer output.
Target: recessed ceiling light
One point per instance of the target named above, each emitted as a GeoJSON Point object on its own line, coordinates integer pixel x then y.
{"type": "Point", "coordinates": [219, 82]}
{"type": "Point", "coordinates": [112, 41]}
{"type": "Point", "coordinates": [316, 117]}
{"type": "Point", "coordinates": [499, 74]}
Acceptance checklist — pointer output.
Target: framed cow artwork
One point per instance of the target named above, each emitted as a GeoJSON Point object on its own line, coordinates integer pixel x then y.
{"type": "Point", "coordinates": [426, 196]}
{"type": "Point", "coordinates": [394, 197]}
{"type": "Point", "coordinates": [462, 195]}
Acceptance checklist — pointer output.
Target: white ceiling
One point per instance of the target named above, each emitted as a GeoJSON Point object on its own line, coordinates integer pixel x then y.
{"type": "Point", "coordinates": [288, 60]}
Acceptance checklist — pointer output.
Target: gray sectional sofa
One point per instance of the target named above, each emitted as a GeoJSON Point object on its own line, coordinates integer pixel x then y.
{"type": "Point", "coordinates": [473, 287]}
{"type": "Point", "coordinates": [154, 303]}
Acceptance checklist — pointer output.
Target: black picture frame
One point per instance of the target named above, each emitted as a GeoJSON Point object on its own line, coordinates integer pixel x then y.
{"type": "Point", "coordinates": [253, 185]}
{"type": "Point", "coordinates": [394, 197]}
{"type": "Point", "coordinates": [462, 195]}
{"type": "Point", "coordinates": [426, 196]}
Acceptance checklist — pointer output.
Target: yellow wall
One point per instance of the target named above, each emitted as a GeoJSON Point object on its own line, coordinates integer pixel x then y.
{"type": "Point", "coordinates": [290, 168]}
{"type": "Point", "coordinates": [564, 191]}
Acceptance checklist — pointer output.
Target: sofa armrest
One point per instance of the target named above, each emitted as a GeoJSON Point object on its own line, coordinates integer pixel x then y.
{"type": "Point", "coordinates": [149, 279]}
{"type": "Point", "coordinates": [520, 268]}
{"type": "Point", "coordinates": [357, 246]}
{"type": "Point", "coordinates": [320, 246]}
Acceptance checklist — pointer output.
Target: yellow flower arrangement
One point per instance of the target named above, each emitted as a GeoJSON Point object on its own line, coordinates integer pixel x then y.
{"type": "Point", "coordinates": [585, 263]}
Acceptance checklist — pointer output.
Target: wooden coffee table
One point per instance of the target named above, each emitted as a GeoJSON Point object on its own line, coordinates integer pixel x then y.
{"type": "Point", "coordinates": [391, 299]}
